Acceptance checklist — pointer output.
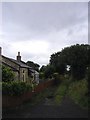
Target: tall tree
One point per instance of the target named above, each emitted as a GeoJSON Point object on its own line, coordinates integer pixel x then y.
{"type": "Point", "coordinates": [33, 65]}
{"type": "Point", "coordinates": [76, 56]}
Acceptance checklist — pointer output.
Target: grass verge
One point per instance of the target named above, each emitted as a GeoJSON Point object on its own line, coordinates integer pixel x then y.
{"type": "Point", "coordinates": [78, 91]}
{"type": "Point", "coordinates": [60, 93]}
{"type": "Point", "coordinates": [38, 98]}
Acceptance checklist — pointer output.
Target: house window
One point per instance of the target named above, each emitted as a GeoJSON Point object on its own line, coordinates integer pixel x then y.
{"type": "Point", "coordinates": [23, 77]}
{"type": "Point", "coordinates": [23, 71]}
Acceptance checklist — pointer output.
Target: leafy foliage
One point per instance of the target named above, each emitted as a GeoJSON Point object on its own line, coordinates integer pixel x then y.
{"type": "Point", "coordinates": [7, 74]}
{"type": "Point", "coordinates": [42, 69]}
{"type": "Point", "coordinates": [76, 57]}
{"type": "Point", "coordinates": [15, 88]}
{"type": "Point", "coordinates": [47, 71]}
{"type": "Point", "coordinates": [60, 93]}
{"type": "Point", "coordinates": [78, 91]}
{"type": "Point", "coordinates": [58, 63]}
{"type": "Point", "coordinates": [41, 75]}
{"type": "Point", "coordinates": [35, 66]}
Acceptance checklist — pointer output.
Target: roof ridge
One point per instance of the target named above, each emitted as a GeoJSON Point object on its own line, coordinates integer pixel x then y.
{"type": "Point", "coordinates": [21, 63]}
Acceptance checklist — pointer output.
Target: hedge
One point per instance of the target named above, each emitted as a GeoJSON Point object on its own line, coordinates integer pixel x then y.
{"type": "Point", "coordinates": [15, 88]}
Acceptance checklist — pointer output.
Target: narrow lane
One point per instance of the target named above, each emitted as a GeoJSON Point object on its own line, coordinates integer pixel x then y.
{"type": "Point", "coordinates": [46, 109]}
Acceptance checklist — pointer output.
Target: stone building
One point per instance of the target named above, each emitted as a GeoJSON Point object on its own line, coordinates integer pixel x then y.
{"type": "Point", "coordinates": [22, 71]}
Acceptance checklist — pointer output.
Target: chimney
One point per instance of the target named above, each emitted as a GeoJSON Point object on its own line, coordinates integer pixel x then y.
{"type": "Point", "coordinates": [18, 57]}
{"type": "Point", "coordinates": [0, 51]}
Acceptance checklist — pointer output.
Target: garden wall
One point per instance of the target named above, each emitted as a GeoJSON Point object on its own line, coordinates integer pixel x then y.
{"type": "Point", "coordinates": [13, 101]}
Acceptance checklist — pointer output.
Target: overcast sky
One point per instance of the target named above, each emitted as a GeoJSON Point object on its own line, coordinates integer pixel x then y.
{"type": "Point", "coordinates": [38, 30]}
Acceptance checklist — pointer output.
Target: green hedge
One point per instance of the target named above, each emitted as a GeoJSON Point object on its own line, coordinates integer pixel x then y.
{"type": "Point", "coordinates": [15, 88]}
{"type": "Point", "coordinates": [7, 74]}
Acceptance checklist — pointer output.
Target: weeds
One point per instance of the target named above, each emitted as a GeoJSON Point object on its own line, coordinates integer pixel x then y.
{"type": "Point", "coordinates": [60, 93]}
{"type": "Point", "coordinates": [77, 91]}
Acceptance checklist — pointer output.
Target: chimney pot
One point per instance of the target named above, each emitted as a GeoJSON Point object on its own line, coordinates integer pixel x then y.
{"type": "Point", "coordinates": [18, 53]}
{"type": "Point", "coordinates": [18, 57]}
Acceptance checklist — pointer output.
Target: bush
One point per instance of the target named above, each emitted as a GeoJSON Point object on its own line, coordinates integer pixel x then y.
{"type": "Point", "coordinates": [7, 74]}
{"type": "Point", "coordinates": [15, 88]}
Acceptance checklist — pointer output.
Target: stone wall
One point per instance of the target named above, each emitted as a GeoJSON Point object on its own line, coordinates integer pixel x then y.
{"type": "Point", "coordinates": [16, 75]}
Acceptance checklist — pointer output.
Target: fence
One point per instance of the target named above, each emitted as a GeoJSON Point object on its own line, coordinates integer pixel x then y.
{"type": "Point", "coordinates": [13, 101]}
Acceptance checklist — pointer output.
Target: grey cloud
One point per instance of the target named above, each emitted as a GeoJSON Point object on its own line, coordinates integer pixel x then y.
{"type": "Point", "coordinates": [72, 35]}
{"type": "Point", "coordinates": [44, 16]}
{"type": "Point", "coordinates": [41, 59]}
{"type": "Point", "coordinates": [52, 22]}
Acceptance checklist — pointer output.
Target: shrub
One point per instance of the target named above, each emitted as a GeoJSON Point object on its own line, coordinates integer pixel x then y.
{"type": "Point", "coordinates": [7, 74]}
{"type": "Point", "coordinates": [15, 88]}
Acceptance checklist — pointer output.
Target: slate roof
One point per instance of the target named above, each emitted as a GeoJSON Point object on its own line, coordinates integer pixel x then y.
{"type": "Point", "coordinates": [14, 69]}
{"type": "Point", "coordinates": [21, 63]}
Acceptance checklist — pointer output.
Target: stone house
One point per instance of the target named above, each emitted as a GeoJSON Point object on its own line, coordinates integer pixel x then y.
{"type": "Point", "coordinates": [22, 71]}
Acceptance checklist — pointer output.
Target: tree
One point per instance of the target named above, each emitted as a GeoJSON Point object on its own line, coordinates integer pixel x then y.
{"type": "Point", "coordinates": [42, 69]}
{"type": "Point", "coordinates": [7, 74]}
{"type": "Point", "coordinates": [35, 66]}
{"type": "Point", "coordinates": [49, 70]}
{"type": "Point", "coordinates": [76, 56]}
{"type": "Point", "coordinates": [58, 62]}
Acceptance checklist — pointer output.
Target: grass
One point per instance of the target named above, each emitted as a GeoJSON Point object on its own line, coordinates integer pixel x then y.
{"type": "Point", "coordinates": [40, 97]}
{"type": "Point", "coordinates": [60, 93]}
{"type": "Point", "coordinates": [62, 89]}
{"type": "Point", "coordinates": [78, 91]}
